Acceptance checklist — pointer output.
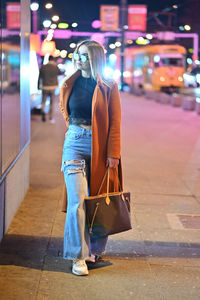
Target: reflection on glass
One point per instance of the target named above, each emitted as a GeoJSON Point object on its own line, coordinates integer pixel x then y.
{"type": "Point", "coordinates": [10, 86]}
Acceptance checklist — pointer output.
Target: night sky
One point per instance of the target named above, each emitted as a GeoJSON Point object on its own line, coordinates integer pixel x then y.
{"type": "Point", "coordinates": [85, 11]}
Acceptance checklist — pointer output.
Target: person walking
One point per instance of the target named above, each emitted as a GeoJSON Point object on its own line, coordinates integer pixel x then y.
{"type": "Point", "coordinates": [91, 108]}
{"type": "Point", "coordinates": [48, 75]}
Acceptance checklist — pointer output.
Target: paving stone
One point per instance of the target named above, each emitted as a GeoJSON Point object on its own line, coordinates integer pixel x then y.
{"type": "Point", "coordinates": [110, 279]}
{"type": "Point", "coordinates": [178, 282]}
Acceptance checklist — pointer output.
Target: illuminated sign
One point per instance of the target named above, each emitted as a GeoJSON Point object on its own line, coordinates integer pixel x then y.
{"type": "Point", "coordinates": [109, 16]}
{"type": "Point", "coordinates": [137, 17]}
{"type": "Point", "coordinates": [13, 15]}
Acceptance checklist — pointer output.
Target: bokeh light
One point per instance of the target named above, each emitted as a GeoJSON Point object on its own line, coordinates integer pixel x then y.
{"type": "Point", "coordinates": [53, 26]}
{"type": "Point", "coordinates": [63, 25]}
{"type": "Point", "coordinates": [149, 36]}
{"type": "Point", "coordinates": [96, 24]}
{"type": "Point", "coordinates": [72, 45]}
{"type": "Point", "coordinates": [34, 6]}
{"type": "Point", "coordinates": [46, 23]}
{"type": "Point", "coordinates": [187, 27]}
{"type": "Point", "coordinates": [181, 28]}
{"type": "Point", "coordinates": [55, 18]}
{"type": "Point", "coordinates": [48, 5]}
{"type": "Point", "coordinates": [63, 53]}
{"type": "Point", "coordinates": [57, 53]}
{"type": "Point", "coordinates": [118, 44]}
{"type": "Point", "coordinates": [112, 46]}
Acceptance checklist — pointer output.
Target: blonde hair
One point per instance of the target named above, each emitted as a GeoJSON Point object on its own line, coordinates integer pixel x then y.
{"type": "Point", "coordinates": [97, 60]}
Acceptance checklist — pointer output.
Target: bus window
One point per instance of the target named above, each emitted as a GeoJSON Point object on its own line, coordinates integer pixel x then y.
{"type": "Point", "coordinates": [172, 61]}
{"type": "Point", "coordinates": [138, 61]}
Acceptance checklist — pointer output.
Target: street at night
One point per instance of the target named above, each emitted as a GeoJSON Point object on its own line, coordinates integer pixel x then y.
{"type": "Point", "coordinates": [100, 150]}
{"type": "Point", "coordinates": [158, 258]}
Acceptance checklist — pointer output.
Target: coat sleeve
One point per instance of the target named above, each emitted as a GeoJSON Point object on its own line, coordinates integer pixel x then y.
{"type": "Point", "coordinates": [114, 136]}
{"type": "Point", "coordinates": [61, 104]}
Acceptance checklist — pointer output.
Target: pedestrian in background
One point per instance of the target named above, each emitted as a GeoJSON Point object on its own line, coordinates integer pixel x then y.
{"type": "Point", "coordinates": [48, 75]}
{"type": "Point", "coordinates": [91, 107]}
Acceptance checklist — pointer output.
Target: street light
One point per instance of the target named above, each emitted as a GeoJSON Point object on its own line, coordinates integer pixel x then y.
{"type": "Point", "coordinates": [46, 23]}
{"type": "Point", "coordinates": [53, 26]}
{"type": "Point", "coordinates": [55, 18]}
{"type": "Point", "coordinates": [118, 44]}
{"type": "Point", "coordinates": [48, 5]}
{"type": "Point", "coordinates": [74, 24]}
{"type": "Point", "coordinates": [34, 7]}
{"type": "Point", "coordinates": [72, 45]}
{"type": "Point", "coordinates": [112, 46]}
{"type": "Point", "coordinates": [149, 36]}
{"type": "Point", "coordinates": [187, 27]}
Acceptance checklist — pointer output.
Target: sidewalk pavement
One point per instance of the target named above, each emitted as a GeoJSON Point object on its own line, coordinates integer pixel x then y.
{"type": "Point", "coordinates": [158, 259]}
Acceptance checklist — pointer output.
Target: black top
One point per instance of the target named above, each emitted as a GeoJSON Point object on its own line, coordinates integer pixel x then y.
{"type": "Point", "coordinates": [80, 100]}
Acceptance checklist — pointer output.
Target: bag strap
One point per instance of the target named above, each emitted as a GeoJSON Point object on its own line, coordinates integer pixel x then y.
{"type": "Point", "coordinates": [108, 179]}
{"type": "Point", "coordinates": [102, 182]}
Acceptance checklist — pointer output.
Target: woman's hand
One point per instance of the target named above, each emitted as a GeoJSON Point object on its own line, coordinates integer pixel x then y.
{"type": "Point", "coordinates": [112, 162]}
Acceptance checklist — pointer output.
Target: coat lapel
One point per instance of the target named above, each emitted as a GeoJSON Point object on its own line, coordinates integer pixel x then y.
{"type": "Point", "coordinates": [96, 94]}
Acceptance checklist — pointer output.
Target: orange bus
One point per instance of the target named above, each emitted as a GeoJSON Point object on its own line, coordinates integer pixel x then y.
{"type": "Point", "coordinates": [155, 67]}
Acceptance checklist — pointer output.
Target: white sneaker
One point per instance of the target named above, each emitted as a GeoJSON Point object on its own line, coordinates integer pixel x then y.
{"type": "Point", "coordinates": [79, 267]}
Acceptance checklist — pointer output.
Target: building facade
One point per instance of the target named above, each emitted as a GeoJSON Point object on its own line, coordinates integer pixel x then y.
{"type": "Point", "coordinates": [14, 108]}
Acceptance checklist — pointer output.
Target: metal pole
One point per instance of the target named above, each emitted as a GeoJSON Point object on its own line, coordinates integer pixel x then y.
{"type": "Point", "coordinates": [123, 21]}
{"type": "Point", "coordinates": [34, 21]}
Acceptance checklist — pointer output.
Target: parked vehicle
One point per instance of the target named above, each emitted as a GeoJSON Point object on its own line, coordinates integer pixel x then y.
{"type": "Point", "coordinates": [155, 67]}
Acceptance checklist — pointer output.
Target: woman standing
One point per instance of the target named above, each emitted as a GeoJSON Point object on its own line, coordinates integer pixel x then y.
{"type": "Point", "coordinates": [91, 107]}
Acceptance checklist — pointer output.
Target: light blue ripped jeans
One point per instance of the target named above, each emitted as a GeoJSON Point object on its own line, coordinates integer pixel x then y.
{"type": "Point", "coordinates": [78, 244]}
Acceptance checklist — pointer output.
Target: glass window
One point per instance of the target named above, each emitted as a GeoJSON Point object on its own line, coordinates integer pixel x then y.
{"type": "Point", "coordinates": [172, 61]}
{"type": "Point", "coordinates": [10, 89]}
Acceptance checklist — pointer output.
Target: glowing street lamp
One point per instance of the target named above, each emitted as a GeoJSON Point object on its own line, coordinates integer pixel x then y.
{"type": "Point", "coordinates": [118, 44]}
{"type": "Point", "coordinates": [53, 26]}
{"type": "Point", "coordinates": [112, 46]}
{"type": "Point", "coordinates": [149, 36]}
{"type": "Point", "coordinates": [74, 24]}
{"type": "Point", "coordinates": [34, 7]}
{"type": "Point", "coordinates": [187, 27]}
{"type": "Point", "coordinates": [63, 53]}
{"type": "Point", "coordinates": [55, 18]}
{"type": "Point", "coordinates": [48, 5]}
{"type": "Point", "coordinates": [72, 45]}
{"type": "Point", "coordinates": [46, 23]}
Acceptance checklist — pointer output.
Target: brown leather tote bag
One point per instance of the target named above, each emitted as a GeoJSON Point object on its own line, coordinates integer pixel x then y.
{"type": "Point", "coordinates": [108, 213]}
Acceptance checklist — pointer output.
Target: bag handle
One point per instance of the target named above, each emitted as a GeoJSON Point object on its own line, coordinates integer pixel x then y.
{"type": "Point", "coordinates": [108, 180]}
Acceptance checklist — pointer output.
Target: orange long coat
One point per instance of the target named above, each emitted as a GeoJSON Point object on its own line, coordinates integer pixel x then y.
{"type": "Point", "coordinates": [106, 132]}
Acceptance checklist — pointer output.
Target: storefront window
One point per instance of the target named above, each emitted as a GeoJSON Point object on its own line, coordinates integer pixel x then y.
{"type": "Point", "coordinates": [10, 89]}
